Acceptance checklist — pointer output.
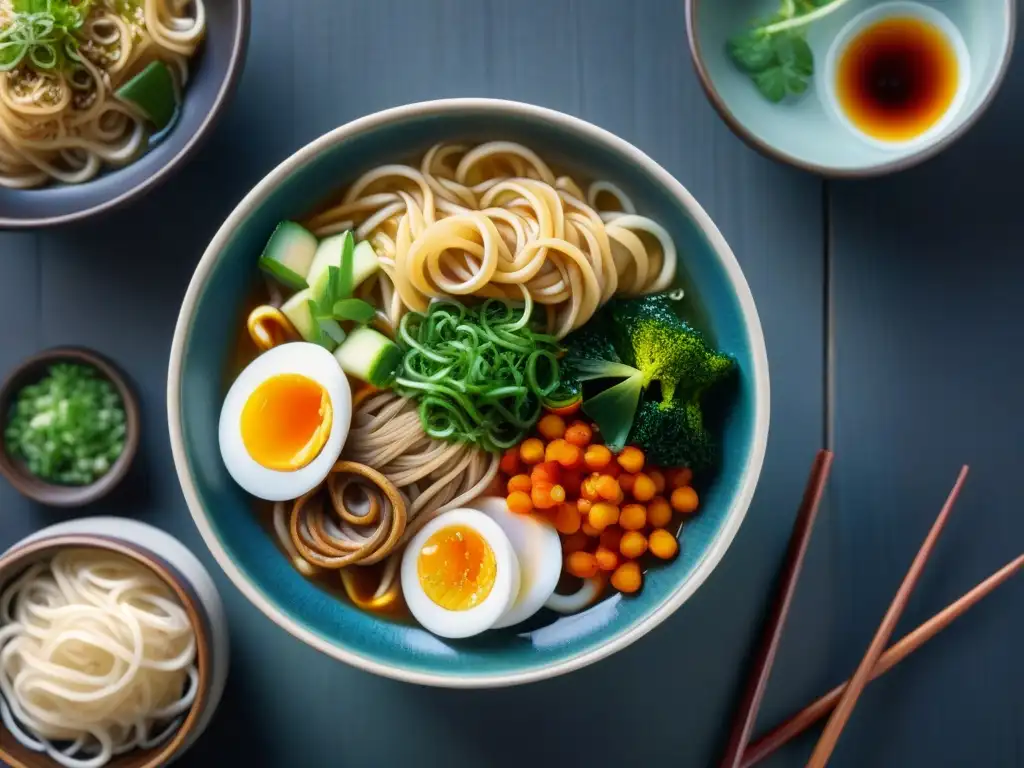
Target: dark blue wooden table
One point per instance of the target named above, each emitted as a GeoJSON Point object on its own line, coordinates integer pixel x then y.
{"type": "Point", "coordinates": [891, 311]}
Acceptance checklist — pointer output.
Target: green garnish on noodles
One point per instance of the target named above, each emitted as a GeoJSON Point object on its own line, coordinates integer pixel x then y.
{"type": "Point", "coordinates": [41, 33]}
{"type": "Point", "coordinates": [478, 374]}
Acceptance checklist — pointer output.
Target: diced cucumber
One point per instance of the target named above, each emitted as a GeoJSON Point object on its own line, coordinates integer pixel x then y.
{"type": "Point", "coordinates": [328, 254]}
{"type": "Point", "coordinates": [299, 311]}
{"type": "Point", "coordinates": [289, 254]}
{"type": "Point", "coordinates": [370, 356]}
{"type": "Point", "coordinates": [153, 93]}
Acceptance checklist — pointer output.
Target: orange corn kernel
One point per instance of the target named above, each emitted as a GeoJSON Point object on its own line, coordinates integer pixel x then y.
{"type": "Point", "coordinates": [626, 481]}
{"type": "Point", "coordinates": [583, 506]}
{"type": "Point", "coordinates": [607, 559]}
{"type": "Point", "coordinates": [659, 480]}
{"type": "Point", "coordinates": [633, 517]}
{"type": "Point", "coordinates": [608, 488]}
{"type": "Point", "coordinates": [519, 483]}
{"type": "Point", "coordinates": [663, 544]}
{"type": "Point", "coordinates": [643, 488]}
{"type": "Point", "coordinates": [582, 564]}
{"type": "Point", "coordinates": [603, 514]}
{"type": "Point", "coordinates": [542, 497]}
{"type": "Point", "coordinates": [546, 472]}
{"type": "Point", "coordinates": [627, 577]}
{"type": "Point", "coordinates": [551, 426]}
{"type": "Point", "coordinates": [597, 457]}
{"type": "Point", "coordinates": [588, 529]}
{"type": "Point", "coordinates": [567, 519]}
{"type": "Point", "coordinates": [633, 544]}
{"type": "Point", "coordinates": [684, 500]}
{"type": "Point", "coordinates": [570, 455]}
{"type": "Point", "coordinates": [631, 459]}
{"type": "Point", "coordinates": [519, 502]}
{"type": "Point", "coordinates": [579, 434]}
{"type": "Point", "coordinates": [659, 512]}
{"type": "Point", "coordinates": [531, 450]}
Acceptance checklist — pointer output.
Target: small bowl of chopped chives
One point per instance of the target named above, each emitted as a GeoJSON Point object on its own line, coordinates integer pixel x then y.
{"type": "Point", "coordinates": [70, 427]}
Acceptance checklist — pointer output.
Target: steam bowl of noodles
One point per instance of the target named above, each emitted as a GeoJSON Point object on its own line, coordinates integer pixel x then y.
{"type": "Point", "coordinates": [113, 647]}
{"type": "Point", "coordinates": [445, 254]}
{"type": "Point", "coordinates": [100, 100]}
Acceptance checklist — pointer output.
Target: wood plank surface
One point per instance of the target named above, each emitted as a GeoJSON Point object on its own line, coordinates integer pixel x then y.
{"type": "Point", "coordinates": [927, 277]}
{"type": "Point", "coordinates": [116, 284]}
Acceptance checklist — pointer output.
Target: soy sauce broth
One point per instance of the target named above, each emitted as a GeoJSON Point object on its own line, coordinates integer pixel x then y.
{"type": "Point", "coordinates": [897, 78]}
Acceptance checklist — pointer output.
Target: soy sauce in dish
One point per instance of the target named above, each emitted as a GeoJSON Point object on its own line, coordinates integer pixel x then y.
{"type": "Point", "coordinates": [897, 78]}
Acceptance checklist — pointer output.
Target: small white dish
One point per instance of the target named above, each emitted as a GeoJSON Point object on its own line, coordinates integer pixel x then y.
{"type": "Point", "coordinates": [827, 75]}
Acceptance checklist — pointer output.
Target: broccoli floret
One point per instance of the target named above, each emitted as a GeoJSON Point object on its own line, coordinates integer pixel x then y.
{"type": "Point", "coordinates": [651, 337]}
{"type": "Point", "coordinates": [673, 434]}
{"type": "Point", "coordinates": [664, 366]}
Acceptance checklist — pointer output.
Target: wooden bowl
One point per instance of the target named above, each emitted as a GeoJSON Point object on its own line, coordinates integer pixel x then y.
{"type": "Point", "coordinates": [52, 494]}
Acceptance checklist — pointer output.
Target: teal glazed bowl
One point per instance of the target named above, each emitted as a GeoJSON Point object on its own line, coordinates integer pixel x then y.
{"type": "Point", "coordinates": [808, 131]}
{"type": "Point", "coordinates": [209, 323]}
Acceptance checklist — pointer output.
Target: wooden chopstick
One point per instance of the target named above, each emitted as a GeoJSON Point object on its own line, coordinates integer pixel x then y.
{"type": "Point", "coordinates": [743, 725]}
{"type": "Point", "coordinates": [844, 708]}
{"type": "Point", "coordinates": [910, 642]}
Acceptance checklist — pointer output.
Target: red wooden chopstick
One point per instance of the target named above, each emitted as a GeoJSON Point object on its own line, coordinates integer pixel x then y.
{"type": "Point", "coordinates": [844, 708]}
{"type": "Point", "coordinates": [747, 715]}
{"type": "Point", "coordinates": [910, 642]}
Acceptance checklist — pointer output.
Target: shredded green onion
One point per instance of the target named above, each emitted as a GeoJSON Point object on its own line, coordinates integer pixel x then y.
{"type": "Point", "coordinates": [69, 428]}
{"type": "Point", "coordinates": [479, 375]}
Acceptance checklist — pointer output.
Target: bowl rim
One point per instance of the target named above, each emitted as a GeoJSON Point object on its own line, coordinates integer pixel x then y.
{"type": "Point", "coordinates": [240, 44]}
{"type": "Point", "coordinates": [177, 583]}
{"type": "Point", "coordinates": [926, 152]}
{"type": "Point", "coordinates": [572, 125]}
{"type": "Point", "coordinates": [67, 496]}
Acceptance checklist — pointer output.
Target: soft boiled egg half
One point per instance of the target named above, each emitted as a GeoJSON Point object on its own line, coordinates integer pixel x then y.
{"type": "Point", "coordinates": [284, 421]}
{"type": "Point", "coordinates": [474, 569]}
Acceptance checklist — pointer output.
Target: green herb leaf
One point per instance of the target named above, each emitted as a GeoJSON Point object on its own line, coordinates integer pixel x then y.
{"type": "Point", "coordinates": [355, 310]}
{"type": "Point", "coordinates": [345, 276]}
{"type": "Point", "coordinates": [774, 51]}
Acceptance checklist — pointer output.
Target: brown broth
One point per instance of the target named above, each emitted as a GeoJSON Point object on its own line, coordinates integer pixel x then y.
{"type": "Point", "coordinates": [897, 78]}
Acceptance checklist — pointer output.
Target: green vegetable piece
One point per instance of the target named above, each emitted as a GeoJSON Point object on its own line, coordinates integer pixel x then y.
{"type": "Point", "coordinates": [288, 255]}
{"type": "Point", "coordinates": [673, 434]}
{"type": "Point", "coordinates": [356, 310]}
{"type": "Point", "coordinates": [369, 356]}
{"type": "Point", "coordinates": [154, 93]}
{"type": "Point", "coordinates": [643, 343]}
{"type": "Point", "coordinates": [775, 53]}
{"type": "Point", "coordinates": [613, 411]}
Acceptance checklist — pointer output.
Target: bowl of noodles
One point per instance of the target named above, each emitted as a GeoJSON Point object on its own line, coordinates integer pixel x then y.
{"type": "Point", "coordinates": [468, 393]}
{"type": "Point", "coordinates": [113, 647]}
{"type": "Point", "coordinates": [100, 100]}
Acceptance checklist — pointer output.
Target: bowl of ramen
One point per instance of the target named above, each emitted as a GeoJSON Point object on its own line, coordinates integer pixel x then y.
{"type": "Point", "coordinates": [468, 393]}
{"type": "Point", "coordinates": [851, 88]}
{"type": "Point", "coordinates": [100, 100]}
{"type": "Point", "coordinates": [113, 647]}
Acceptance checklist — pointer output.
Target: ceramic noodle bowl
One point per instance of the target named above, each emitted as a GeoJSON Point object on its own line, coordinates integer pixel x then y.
{"type": "Point", "coordinates": [250, 550]}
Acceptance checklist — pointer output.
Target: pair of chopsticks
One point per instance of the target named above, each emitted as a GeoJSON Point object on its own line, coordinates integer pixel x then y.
{"type": "Point", "coordinates": [841, 700]}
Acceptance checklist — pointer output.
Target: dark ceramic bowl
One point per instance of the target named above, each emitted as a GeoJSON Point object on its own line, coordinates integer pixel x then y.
{"type": "Point", "coordinates": [17, 473]}
{"type": "Point", "coordinates": [215, 73]}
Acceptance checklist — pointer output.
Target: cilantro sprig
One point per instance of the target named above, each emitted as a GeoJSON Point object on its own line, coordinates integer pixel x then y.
{"type": "Point", "coordinates": [774, 51]}
{"type": "Point", "coordinates": [335, 302]}
{"type": "Point", "coordinates": [42, 33]}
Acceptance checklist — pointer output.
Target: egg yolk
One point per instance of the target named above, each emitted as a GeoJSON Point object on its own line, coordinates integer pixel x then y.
{"type": "Point", "coordinates": [457, 568]}
{"type": "Point", "coordinates": [286, 422]}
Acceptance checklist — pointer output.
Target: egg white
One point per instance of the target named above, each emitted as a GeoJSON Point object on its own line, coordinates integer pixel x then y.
{"type": "Point", "coordinates": [479, 618]}
{"type": "Point", "coordinates": [313, 362]}
{"type": "Point", "coordinates": [539, 550]}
